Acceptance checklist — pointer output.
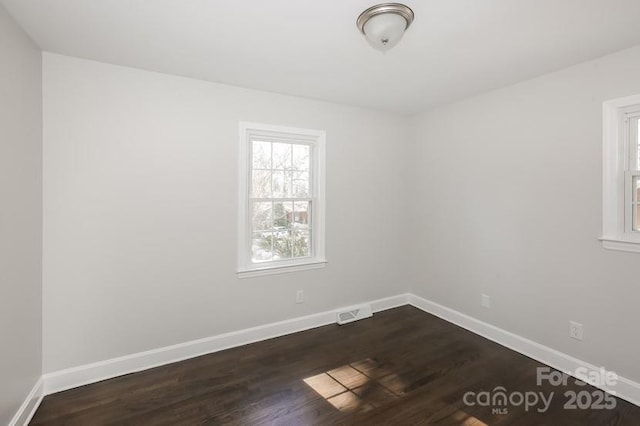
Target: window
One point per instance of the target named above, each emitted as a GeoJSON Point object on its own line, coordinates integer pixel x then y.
{"type": "Point", "coordinates": [621, 174]}
{"type": "Point", "coordinates": [281, 199]}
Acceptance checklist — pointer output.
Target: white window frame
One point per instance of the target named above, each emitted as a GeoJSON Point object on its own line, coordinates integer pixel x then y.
{"type": "Point", "coordinates": [314, 138]}
{"type": "Point", "coordinates": [617, 174]}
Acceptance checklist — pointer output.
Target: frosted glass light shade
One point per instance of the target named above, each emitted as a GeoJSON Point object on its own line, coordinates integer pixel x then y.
{"type": "Point", "coordinates": [385, 30]}
{"type": "Point", "coordinates": [383, 25]}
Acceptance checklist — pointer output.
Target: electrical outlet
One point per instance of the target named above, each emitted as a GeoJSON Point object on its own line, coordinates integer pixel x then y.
{"type": "Point", "coordinates": [485, 301]}
{"type": "Point", "coordinates": [575, 330]}
{"type": "Point", "coordinates": [299, 296]}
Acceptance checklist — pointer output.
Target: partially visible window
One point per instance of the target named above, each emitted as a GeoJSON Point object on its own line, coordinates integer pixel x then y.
{"type": "Point", "coordinates": [633, 172]}
{"type": "Point", "coordinates": [621, 174]}
{"type": "Point", "coordinates": [281, 200]}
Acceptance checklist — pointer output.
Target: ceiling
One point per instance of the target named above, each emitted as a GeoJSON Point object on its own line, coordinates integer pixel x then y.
{"type": "Point", "coordinates": [312, 48]}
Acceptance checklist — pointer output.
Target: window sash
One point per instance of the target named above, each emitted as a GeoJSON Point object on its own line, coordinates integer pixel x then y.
{"type": "Point", "coordinates": [631, 203]}
{"type": "Point", "coordinates": [631, 145]}
{"type": "Point", "coordinates": [309, 229]}
{"type": "Point", "coordinates": [284, 140]}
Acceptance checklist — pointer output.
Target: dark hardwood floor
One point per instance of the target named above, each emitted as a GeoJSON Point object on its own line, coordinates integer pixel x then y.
{"type": "Point", "coordinates": [400, 367]}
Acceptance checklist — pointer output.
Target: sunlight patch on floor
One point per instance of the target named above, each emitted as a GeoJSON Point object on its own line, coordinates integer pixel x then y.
{"type": "Point", "coordinates": [359, 386]}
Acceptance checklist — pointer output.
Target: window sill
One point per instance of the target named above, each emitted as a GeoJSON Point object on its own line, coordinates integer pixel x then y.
{"type": "Point", "coordinates": [281, 269]}
{"type": "Point", "coordinates": [621, 245]}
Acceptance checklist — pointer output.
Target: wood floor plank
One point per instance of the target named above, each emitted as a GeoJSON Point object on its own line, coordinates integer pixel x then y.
{"type": "Point", "coordinates": [401, 367]}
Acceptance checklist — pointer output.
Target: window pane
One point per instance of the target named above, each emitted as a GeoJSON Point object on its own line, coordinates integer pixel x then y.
{"type": "Point", "coordinates": [636, 221]}
{"type": "Point", "coordinates": [301, 243]}
{"type": "Point", "coordinates": [261, 184]}
{"type": "Point", "coordinates": [282, 247]}
{"type": "Point", "coordinates": [261, 153]}
{"type": "Point", "coordinates": [262, 219]}
{"type": "Point", "coordinates": [301, 157]}
{"type": "Point", "coordinates": [288, 179]}
{"type": "Point", "coordinates": [300, 184]}
{"type": "Point", "coordinates": [281, 156]}
{"type": "Point", "coordinates": [301, 215]}
{"type": "Point", "coordinates": [261, 250]}
{"type": "Point", "coordinates": [280, 184]}
{"type": "Point", "coordinates": [282, 214]}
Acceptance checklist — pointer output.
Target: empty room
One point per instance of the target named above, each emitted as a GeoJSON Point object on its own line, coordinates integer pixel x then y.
{"type": "Point", "coordinates": [319, 212]}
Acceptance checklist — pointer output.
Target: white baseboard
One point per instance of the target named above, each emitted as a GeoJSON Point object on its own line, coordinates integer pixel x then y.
{"type": "Point", "coordinates": [102, 370]}
{"type": "Point", "coordinates": [78, 376]}
{"type": "Point", "coordinates": [389, 302]}
{"type": "Point", "coordinates": [624, 388]}
{"type": "Point", "coordinates": [29, 406]}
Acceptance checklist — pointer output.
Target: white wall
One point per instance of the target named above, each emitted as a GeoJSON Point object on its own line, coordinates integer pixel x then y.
{"type": "Point", "coordinates": [509, 204]}
{"type": "Point", "coordinates": [498, 194]}
{"type": "Point", "coordinates": [20, 216]}
{"type": "Point", "coordinates": [140, 198]}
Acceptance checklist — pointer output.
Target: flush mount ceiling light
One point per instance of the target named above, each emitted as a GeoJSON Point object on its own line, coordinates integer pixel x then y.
{"type": "Point", "coordinates": [384, 24]}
